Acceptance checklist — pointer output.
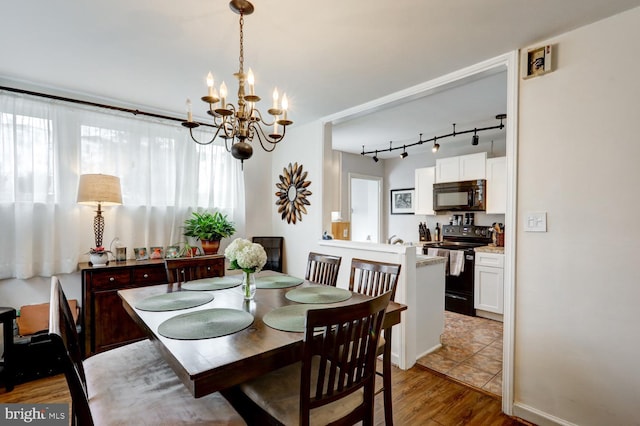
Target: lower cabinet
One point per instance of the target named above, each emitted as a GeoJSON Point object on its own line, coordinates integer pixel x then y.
{"type": "Point", "coordinates": [489, 283]}
{"type": "Point", "coordinates": [105, 323]}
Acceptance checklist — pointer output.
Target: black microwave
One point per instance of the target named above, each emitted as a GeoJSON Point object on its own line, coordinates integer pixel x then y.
{"type": "Point", "coordinates": [469, 195]}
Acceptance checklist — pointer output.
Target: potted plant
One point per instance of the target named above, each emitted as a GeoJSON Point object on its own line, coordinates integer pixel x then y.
{"type": "Point", "coordinates": [209, 228]}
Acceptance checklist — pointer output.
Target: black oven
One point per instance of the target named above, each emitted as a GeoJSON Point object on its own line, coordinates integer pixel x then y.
{"type": "Point", "coordinates": [468, 195]}
{"type": "Point", "coordinates": [459, 284]}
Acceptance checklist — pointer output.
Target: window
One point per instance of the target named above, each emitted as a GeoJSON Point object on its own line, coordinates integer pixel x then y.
{"type": "Point", "coordinates": [45, 145]}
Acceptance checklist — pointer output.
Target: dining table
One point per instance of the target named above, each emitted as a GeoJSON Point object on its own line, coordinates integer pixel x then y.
{"type": "Point", "coordinates": [208, 360]}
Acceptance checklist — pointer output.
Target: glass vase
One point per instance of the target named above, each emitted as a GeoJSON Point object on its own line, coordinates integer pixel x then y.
{"type": "Point", "coordinates": [249, 285]}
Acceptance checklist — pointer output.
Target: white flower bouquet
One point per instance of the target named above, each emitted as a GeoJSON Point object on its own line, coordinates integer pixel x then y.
{"type": "Point", "coordinates": [245, 255]}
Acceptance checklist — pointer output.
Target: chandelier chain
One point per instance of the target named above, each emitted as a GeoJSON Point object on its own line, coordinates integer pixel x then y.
{"type": "Point", "coordinates": [241, 58]}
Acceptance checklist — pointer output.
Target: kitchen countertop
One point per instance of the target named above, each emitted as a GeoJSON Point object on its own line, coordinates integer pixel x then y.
{"type": "Point", "coordinates": [490, 249]}
{"type": "Point", "coordinates": [423, 260]}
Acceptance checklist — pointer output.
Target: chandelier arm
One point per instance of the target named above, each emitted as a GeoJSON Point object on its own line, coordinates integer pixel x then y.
{"type": "Point", "coordinates": [263, 137]}
{"type": "Point", "coordinates": [228, 124]}
{"type": "Point", "coordinates": [203, 143]}
{"type": "Point", "coordinates": [261, 119]}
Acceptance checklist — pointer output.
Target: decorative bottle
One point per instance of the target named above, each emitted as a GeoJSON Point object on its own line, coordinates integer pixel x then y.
{"type": "Point", "coordinates": [436, 232]}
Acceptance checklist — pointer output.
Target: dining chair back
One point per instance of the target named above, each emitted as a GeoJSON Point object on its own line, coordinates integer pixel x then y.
{"type": "Point", "coordinates": [373, 278]}
{"type": "Point", "coordinates": [334, 382]}
{"type": "Point", "coordinates": [183, 269]}
{"type": "Point", "coordinates": [130, 384]}
{"type": "Point", "coordinates": [323, 269]}
{"type": "Point", "coordinates": [274, 248]}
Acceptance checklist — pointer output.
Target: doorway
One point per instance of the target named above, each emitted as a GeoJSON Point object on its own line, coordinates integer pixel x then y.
{"type": "Point", "coordinates": [365, 207]}
{"type": "Point", "coordinates": [508, 62]}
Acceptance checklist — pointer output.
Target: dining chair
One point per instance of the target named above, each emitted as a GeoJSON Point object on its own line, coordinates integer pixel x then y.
{"type": "Point", "coordinates": [128, 385]}
{"type": "Point", "coordinates": [183, 269]}
{"type": "Point", "coordinates": [323, 268]}
{"type": "Point", "coordinates": [374, 278]}
{"type": "Point", "coordinates": [333, 383]}
{"type": "Point", "coordinates": [274, 248]}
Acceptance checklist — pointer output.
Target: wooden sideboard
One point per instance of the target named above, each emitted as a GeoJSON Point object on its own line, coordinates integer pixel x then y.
{"type": "Point", "coordinates": [105, 323]}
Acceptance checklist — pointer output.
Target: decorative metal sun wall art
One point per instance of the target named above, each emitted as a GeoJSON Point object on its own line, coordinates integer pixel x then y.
{"type": "Point", "coordinates": [292, 193]}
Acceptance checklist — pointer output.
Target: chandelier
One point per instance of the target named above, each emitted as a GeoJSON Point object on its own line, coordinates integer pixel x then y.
{"type": "Point", "coordinates": [243, 122]}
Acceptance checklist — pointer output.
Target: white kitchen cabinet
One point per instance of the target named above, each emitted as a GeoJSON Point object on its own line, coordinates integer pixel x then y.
{"type": "Point", "coordinates": [460, 168]}
{"type": "Point", "coordinates": [424, 180]}
{"type": "Point", "coordinates": [489, 282]}
{"type": "Point", "coordinates": [497, 185]}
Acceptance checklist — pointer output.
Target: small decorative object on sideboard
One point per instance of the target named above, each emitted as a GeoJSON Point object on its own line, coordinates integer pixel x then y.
{"type": "Point", "coordinates": [209, 228]}
{"type": "Point", "coordinates": [141, 253]}
{"type": "Point", "coordinates": [156, 253]}
{"type": "Point", "coordinates": [98, 256]}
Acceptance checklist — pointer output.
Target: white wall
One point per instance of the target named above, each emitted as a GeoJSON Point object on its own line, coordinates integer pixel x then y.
{"type": "Point", "coordinates": [304, 145]}
{"type": "Point", "coordinates": [578, 285]}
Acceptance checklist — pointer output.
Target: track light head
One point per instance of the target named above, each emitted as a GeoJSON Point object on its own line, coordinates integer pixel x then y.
{"type": "Point", "coordinates": [436, 147]}
{"type": "Point", "coordinates": [475, 139]}
{"type": "Point", "coordinates": [375, 157]}
{"type": "Point", "coordinates": [404, 152]}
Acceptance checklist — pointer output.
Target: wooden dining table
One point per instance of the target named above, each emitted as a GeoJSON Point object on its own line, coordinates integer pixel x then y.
{"type": "Point", "coordinates": [213, 364]}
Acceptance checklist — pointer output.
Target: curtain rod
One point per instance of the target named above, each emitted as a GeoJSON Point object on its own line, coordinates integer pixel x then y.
{"type": "Point", "coordinates": [95, 104]}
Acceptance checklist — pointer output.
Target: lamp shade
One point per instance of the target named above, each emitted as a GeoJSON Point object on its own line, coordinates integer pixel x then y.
{"type": "Point", "coordinates": [99, 189]}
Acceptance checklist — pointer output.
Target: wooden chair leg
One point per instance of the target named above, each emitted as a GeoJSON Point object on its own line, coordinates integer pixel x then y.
{"type": "Point", "coordinates": [386, 378]}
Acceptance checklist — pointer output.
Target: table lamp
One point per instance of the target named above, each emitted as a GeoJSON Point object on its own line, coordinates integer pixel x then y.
{"type": "Point", "coordinates": [101, 190]}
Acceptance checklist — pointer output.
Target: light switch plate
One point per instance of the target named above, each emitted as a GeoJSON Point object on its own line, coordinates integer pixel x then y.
{"type": "Point", "coordinates": [535, 222]}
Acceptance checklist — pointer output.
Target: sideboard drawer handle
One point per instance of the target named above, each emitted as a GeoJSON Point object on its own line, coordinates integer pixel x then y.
{"type": "Point", "coordinates": [146, 275]}
{"type": "Point", "coordinates": [112, 279]}
{"type": "Point", "coordinates": [208, 268]}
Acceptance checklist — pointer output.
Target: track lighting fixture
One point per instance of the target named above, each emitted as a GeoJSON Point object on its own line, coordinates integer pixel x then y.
{"type": "Point", "coordinates": [474, 140]}
{"type": "Point", "coordinates": [404, 152]}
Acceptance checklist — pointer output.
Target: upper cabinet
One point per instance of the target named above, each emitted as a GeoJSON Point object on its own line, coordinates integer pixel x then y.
{"type": "Point", "coordinates": [496, 185]}
{"type": "Point", "coordinates": [463, 167]}
{"type": "Point", "coordinates": [424, 191]}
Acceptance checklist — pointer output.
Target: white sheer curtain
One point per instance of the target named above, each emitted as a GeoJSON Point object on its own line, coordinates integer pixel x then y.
{"type": "Point", "coordinates": [44, 147]}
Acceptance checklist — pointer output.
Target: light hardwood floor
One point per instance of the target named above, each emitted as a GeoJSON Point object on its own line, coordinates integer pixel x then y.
{"type": "Point", "coordinates": [420, 397]}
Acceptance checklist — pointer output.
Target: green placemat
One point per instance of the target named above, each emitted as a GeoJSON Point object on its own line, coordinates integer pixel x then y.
{"type": "Point", "coordinates": [217, 283]}
{"type": "Point", "coordinates": [278, 281]}
{"type": "Point", "coordinates": [318, 294]}
{"type": "Point", "coordinates": [173, 301]}
{"type": "Point", "coordinates": [205, 324]}
{"type": "Point", "coordinates": [289, 318]}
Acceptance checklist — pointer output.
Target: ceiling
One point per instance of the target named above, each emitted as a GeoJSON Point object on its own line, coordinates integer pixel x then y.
{"type": "Point", "coordinates": [329, 57]}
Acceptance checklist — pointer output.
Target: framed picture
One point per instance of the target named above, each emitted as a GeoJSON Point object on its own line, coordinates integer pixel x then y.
{"type": "Point", "coordinates": [172, 252]}
{"type": "Point", "coordinates": [156, 253]}
{"type": "Point", "coordinates": [537, 61]}
{"type": "Point", "coordinates": [402, 201]}
{"type": "Point", "coordinates": [141, 253]}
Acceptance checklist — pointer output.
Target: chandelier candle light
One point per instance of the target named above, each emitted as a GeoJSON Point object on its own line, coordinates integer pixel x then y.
{"type": "Point", "coordinates": [242, 122]}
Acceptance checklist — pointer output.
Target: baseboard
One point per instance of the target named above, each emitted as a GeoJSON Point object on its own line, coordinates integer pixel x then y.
{"type": "Point", "coordinates": [428, 351]}
{"type": "Point", "coordinates": [538, 417]}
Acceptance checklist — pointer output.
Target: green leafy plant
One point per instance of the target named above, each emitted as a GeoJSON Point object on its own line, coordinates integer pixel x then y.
{"type": "Point", "coordinates": [208, 226]}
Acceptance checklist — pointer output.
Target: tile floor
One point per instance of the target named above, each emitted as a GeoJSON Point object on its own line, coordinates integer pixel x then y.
{"type": "Point", "coordinates": [471, 352]}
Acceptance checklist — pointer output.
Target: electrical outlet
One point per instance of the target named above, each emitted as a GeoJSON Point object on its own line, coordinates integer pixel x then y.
{"type": "Point", "coordinates": [535, 222]}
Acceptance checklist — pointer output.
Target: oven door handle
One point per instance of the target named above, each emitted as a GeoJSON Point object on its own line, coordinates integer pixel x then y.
{"type": "Point", "coordinates": [453, 296]}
